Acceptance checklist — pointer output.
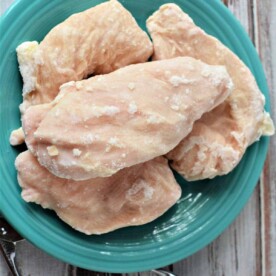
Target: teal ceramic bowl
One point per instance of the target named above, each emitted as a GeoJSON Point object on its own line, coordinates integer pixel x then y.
{"type": "Point", "coordinates": [206, 207]}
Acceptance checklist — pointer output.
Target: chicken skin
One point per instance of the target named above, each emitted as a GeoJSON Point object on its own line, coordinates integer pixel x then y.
{"type": "Point", "coordinates": [133, 196]}
{"type": "Point", "coordinates": [99, 126]}
{"type": "Point", "coordinates": [219, 139]}
{"type": "Point", "coordinates": [96, 41]}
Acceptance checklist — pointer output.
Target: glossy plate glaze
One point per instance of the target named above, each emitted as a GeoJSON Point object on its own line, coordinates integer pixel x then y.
{"type": "Point", "coordinates": [206, 207]}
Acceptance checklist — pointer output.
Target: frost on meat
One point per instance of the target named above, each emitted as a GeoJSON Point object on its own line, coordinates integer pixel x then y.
{"type": "Point", "coordinates": [114, 127]}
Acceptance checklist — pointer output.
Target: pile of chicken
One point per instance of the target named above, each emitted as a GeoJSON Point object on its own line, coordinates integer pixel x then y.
{"type": "Point", "coordinates": [98, 147]}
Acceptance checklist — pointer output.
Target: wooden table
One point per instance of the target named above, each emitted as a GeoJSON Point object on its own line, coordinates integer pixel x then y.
{"type": "Point", "coordinates": [248, 246]}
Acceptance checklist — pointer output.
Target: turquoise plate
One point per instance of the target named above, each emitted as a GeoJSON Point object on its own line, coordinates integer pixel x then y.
{"type": "Point", "coordinates": [206, 207]}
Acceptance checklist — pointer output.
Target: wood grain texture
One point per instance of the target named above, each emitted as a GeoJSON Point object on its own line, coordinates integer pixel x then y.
{"type": "Point", "coordinates": [265, 13]}
{"type": "Point", "coordinates": [248, 246]}
{"type": "Point", "coordinates": [4, 4]}
{"type": "Point", "coordinates": [242, 9]}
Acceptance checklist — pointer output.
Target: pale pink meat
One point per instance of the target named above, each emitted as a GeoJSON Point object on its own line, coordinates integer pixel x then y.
{"type": "Point", "coordinates": [17, 137]}
{"type": "Point", "coordinates": [96, 41]}
{"type": "Point", "coordinates": [133, 196]}
{"type": "Point", "coordinates": [219, 139]}
{"type": "Point", "coordinates": [99, 126]}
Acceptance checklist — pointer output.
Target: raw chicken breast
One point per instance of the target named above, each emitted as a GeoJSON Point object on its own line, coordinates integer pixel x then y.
{"type": "Point", "coordinates": [133, 196]}
{"type": "Point", "coordinates": [99, 126]}
{"type": "Point", "coordinates": [96, 41]}
{"type": "Point", "coordinates": [219, 139]}
{"type": "Point", "coordinates": [17, 137]}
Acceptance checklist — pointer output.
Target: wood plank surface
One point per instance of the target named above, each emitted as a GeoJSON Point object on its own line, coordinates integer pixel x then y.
{"type": "Point", "coordinates": [266, 43]}
{"type": "Point", "coordinates": [248, 246]}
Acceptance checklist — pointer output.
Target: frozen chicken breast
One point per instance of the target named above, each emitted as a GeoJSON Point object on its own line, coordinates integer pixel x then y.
{"type": "Point", "coordinates": [17, 137]}
{"type": "Point", "coordinates": [219, 139]}
{"type": "Point", "coordinates": [133, 196]}
{"type": "Point", "coordinates": [96, 41]}
{"type": "Point", "coordinates": [99, 126]}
